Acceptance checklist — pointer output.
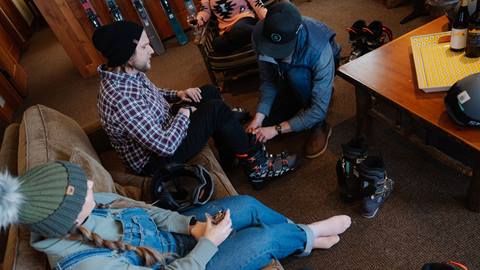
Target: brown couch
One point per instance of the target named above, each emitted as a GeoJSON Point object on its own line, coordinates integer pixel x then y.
{"type": "Point", "coordinates": [45, 135]}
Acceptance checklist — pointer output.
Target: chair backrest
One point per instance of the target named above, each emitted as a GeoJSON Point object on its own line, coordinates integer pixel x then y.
{"type": "Point", "coordinates": [229, 66]}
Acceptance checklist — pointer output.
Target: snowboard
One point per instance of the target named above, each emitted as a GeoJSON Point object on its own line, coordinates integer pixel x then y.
{"type": "Point", "coordinates": [114, 10]}
{"type": "Point", "coordinates": [152, 34]}
{"type": "Point", "coordinates": [174, 23]}
{"type": "Point", "coordinates": [91, 13]}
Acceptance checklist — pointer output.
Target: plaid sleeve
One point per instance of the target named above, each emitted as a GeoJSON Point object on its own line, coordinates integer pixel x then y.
{"type": "Point", "coordinates": [169, 94]}
{"type": "Point", "coordinates": [140, 123]}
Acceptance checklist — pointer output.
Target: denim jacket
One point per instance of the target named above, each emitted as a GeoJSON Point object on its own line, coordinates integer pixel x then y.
{"type": "Point", "coordinates": [309, 71]}
{"type": "Point", "coordinates": [136, 226]}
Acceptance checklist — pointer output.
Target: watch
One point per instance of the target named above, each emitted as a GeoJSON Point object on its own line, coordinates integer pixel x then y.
{"type": "Point", "coordinates": [278, 128]}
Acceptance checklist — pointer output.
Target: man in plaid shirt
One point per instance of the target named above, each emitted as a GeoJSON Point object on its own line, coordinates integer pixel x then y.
{"type": "Point", "coordinates": [147, 132]}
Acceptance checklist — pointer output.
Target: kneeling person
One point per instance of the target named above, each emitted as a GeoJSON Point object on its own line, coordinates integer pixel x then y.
{"type": "Point", "coordinates": [296, 57]}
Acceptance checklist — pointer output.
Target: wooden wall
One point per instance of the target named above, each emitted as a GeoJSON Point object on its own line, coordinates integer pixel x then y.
{"type": "Point", "coordinates": [70, 24]}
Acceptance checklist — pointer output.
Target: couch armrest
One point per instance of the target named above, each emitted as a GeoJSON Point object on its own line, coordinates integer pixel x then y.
{"type": "Point", "coordinates": [19, 254]}
{"type": "Point", "coordinates": [9, 149]}
{"type": "Point", "coordinates": [8, 161]}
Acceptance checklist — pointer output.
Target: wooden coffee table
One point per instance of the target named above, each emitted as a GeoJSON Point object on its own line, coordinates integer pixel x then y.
{"type": "Point", "coordinates": [388, 73]}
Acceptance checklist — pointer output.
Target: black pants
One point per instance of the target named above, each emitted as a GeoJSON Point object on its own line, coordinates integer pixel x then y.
{"type": "Point", "coordinates": [238, 37]}
{"type": "Point", "coordinates": [213, 118]}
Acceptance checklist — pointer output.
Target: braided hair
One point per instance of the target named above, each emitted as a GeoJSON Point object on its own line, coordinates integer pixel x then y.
{"type": "Point", "coordinates": [149, 255]}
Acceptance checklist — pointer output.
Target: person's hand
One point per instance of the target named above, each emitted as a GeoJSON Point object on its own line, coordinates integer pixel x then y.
{"type": "Point", "coordinates": [252, 126]}
{"type": "Point", "coordinates": [192, 20]}
{"type": "Point", "coordinates": [218, 233]}
{"type": "Point", "coordinates": [198, 230]}
{"type": "Point", "coordinates": [190, 94]}
{"type": "Point", "coordinates": [200, 21]}
{"type": "Point", "coordinates": [255, 123]}
{"type": "Point", "coordinates": [186, 110]}
{"type": "Point", "coordinates": [264, 134]}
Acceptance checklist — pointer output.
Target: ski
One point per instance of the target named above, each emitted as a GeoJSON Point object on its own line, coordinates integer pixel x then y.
{"type": "Point", "coordinates": [174, 23]}
{"type": "Point", "coordinates": [114, 10]}
{"type": "Point", "coordinates": [91, 13]}
{"type": "Point", "coordinates": [190, 6]}
{"type": "Point", "coordinates": [152, 34]}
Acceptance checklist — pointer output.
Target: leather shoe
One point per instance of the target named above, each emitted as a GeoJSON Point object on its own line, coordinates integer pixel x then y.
{"type": "Point", "coordinates": [318, 141]}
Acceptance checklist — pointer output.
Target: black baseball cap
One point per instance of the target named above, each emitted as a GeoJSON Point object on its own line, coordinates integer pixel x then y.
{"type": "Point", "coordinates": [276, 35]}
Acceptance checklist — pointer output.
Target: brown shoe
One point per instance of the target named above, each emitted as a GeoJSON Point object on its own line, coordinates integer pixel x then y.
{"type": "Point", "coordinates": [318, 141]}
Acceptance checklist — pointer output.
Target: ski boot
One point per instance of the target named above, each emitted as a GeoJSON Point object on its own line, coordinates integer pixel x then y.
{"type": "Point", "coordinates": [354, 152]}
{"type": "Point", "coordinates": [375, 185]}
{"type": "Point", "coordinates": [261, 167]}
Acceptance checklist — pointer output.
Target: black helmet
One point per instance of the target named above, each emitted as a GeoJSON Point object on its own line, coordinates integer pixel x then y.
{"type": "Point", "coordinates": [179, 187]}
{"type": "Point", "coordinates": [463, 101]}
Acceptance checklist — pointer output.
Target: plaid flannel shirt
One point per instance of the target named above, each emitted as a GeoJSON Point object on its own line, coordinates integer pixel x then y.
{"type": "Point", "coordinates": [135, 115]}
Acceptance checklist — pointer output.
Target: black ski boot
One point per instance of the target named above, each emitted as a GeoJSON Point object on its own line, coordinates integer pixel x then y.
{"type": "Point", "coordinates": [357, 39]}
{"type": "Point", "coordinates": [354, 152]}
{"type": "Point", "coordinates": [261, 167]}
{"type": "Point", "coordinates": [375, 184]}
{"type": "Point", "coordinates": [376, 35]}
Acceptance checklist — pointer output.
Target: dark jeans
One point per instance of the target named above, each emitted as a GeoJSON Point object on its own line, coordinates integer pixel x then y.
{"type": "Point", "coordinates": [213, 118]}
{"type": "Point", "coordinates": [238, 37]}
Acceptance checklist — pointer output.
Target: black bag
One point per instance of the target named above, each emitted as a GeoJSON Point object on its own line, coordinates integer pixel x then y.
{"type": "Point", "coordinates": [179, 187]}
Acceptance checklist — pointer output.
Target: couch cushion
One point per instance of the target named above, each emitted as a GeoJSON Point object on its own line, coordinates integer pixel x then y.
{"type": "Point", "coordinates": [46, 135]}
{"type": "Point", "coordinates": [94, 171]}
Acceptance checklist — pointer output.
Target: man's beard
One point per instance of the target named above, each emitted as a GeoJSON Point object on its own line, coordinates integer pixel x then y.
{"type": "Point", "coordinates": [144, 67]}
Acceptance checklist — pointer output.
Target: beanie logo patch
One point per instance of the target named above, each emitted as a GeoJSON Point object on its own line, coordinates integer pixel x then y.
{"type": "Point", "coordinates": [70, 190]}
{"type": "Point", "coordinates": [276, 37]}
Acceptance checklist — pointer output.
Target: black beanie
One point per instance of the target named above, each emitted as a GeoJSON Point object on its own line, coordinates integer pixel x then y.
{"type": "Point", "coordinates": [116, 41]}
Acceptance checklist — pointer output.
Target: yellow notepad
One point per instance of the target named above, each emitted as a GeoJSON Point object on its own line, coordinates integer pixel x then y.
{"type": "Point", "coordinates": [437, 67]}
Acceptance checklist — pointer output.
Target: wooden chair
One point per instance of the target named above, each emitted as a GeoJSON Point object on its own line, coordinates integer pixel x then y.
{"type": "Point", "coordinates": [223, 68]}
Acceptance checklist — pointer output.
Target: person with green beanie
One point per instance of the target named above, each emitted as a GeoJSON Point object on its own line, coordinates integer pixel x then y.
{"type": "Point", "coordinates": [78, 229]}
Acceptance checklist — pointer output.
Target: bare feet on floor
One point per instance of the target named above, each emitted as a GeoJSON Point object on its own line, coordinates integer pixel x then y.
{"type": "Point", "coordinates": [331, 226]}
{"type": "Point", "coordinates": [325, 242]}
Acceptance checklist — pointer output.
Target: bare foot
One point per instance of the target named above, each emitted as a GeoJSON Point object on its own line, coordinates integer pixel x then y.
{"type": "Point", "coordinates": [325, 242]}
{"type": "Point", "coordinates": [331, 226]}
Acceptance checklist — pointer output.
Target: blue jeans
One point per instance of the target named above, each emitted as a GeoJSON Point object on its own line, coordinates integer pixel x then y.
{"type": "Point", "coordinates": [259, 234]}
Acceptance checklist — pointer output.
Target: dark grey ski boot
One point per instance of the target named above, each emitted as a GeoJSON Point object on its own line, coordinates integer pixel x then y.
{"type": "Point", "coordinates": [376, 186]}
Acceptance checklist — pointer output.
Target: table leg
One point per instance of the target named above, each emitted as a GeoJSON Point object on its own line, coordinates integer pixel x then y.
{"type": "Point", "coordinates": [364, 104]}
{"type": "Point", "coordinates": [474, 189]}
